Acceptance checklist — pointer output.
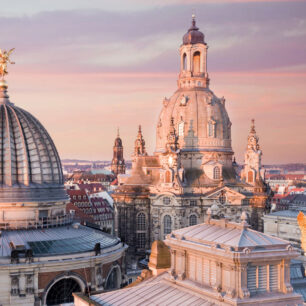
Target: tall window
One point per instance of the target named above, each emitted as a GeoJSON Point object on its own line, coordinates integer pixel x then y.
{"type": "Point", "coordinates": [141, 240]}
{"type": "Point", "coordinates": [141, 222]}
{"type": "Point", "coordinates": [184, 61]}
{"type": "Point", "coordinates": [211, 129]}
{"type": "Point", "coordinates": [168, 176]}
{"type": "Point", "coordinates": [217, 173]}
{"type": "Point", "coordinates": [196, 62]}
{"type": "Point", "coordinates": [250, 177]}
{"type": "Point", "coordinates": [167, 224]}
{"type": "Point", "coordinates": [193, 220]}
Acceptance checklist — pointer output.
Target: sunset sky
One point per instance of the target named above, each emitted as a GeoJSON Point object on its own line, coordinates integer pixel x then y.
{"type": "Point", "coordinates": [84, 68]}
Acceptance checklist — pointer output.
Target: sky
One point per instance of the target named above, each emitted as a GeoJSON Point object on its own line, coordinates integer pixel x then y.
{"type": "Point", "coordinates": [86, 68]}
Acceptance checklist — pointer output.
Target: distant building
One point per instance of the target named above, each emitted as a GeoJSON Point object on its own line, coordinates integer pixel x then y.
{"type": "Point", "coordinates": [97, 209]}
{"type": "Point", "coordinates": [103, 177]}
{"type": "Point", "coordinates": [283, 223]}
{"type": "Point", "coordinates": [215, 263]}
{"type": "Point", "coordinates": [118, 163]}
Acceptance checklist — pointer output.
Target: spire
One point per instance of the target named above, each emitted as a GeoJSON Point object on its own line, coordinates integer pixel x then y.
{"type": "Point", "coordinates": [193, 22]}
{"type": "Point", "coordinates": [253, 126]}
{"type": "Point", "coordinates": [140, 149]}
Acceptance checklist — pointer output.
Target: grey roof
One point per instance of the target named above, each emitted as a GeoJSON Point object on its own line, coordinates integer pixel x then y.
{"type": "Point", "coordinates": [30, 163]}
{"type": "Point", "coordinates": [56, 241]}
{"type": "Point", "coordinates": [155, 291]}
{"type": "Point", "coordinates": [285, 213]}
{"type": "Point", "coordinates": [228, 234]}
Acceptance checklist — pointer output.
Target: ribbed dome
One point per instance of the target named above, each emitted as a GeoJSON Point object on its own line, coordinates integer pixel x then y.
{"type": "Point", "coordinates": [30, 168]}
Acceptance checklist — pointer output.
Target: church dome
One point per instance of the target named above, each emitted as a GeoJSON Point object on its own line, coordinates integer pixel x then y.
{"type": "Point", "coordinates": [200, 119]}
{"type": "Point", "coordinates": [30, 167]}
{"type": "Point", "coordinates": [193, 36]}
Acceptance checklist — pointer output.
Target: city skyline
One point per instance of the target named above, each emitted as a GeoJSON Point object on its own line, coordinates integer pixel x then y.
{"type": "Point", "coordinates": [84, 71]}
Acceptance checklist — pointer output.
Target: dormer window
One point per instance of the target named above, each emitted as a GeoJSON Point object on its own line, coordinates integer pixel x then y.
{"type": "Point", "coordinates": [181, 129]}
{"type": "Point", "coordinates": [211, 128]}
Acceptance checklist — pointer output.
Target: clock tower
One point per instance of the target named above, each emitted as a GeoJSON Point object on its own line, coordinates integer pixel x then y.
{"type": "Point", "coordinates": [118, 163]}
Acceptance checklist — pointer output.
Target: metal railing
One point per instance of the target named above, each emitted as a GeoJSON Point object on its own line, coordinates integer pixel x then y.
{"type": "Point", "coordinates": [38, 223]}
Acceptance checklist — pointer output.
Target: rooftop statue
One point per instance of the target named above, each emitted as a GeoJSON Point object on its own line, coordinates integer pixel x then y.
{"type": "Point", "coordinates": [4, 59]}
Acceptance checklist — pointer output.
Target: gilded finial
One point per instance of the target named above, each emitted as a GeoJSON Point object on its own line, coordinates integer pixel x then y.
{"type": "Point", "coordinates": [193, 18]}
{"type": "Point", "coordinates": [4, 60]}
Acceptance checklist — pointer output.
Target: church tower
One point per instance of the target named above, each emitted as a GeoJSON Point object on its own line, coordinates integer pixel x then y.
{"type": "Point", "coordinates": [193, 53]}
{"type": "Point", "coordinates": [140, 148]}
{"type": "Point", "coordinates": [118, 163]}
{"type": "Point", "coordinates": [252, 172]}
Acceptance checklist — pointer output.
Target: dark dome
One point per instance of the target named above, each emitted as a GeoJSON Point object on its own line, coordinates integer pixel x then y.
{"type": "Point", "coordinates": [193, 36]}
{"type": "Point", "coordinates": [118, 142]}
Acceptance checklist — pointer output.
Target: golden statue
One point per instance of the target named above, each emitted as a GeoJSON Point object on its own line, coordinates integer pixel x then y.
{"type": "Point", "coordinates": [4, 59]}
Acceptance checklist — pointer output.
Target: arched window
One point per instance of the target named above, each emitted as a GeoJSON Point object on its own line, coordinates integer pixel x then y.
{"type": "Point", "coordinates": [217, 173]}
{"type": "Point", "coordinates": [193, 220]}
{"type": "Point", "coordinates": [141, 222]}
{"type": "Point", "coordinates": [184, 61]}
{"type": "Point", "coordinates": [196, 62]}
{"type": "Point", "coordinates": [168, 176]}
{"type": "Point", "coordinates": [250, 177]}
{"type": "Point", "coordinates": [61, 291]}
{"type": "Point", "coordinates": [167, 224]}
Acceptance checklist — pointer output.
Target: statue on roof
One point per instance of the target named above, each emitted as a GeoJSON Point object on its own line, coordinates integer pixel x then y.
{"type": "Point", "coordinates": [4, 59]}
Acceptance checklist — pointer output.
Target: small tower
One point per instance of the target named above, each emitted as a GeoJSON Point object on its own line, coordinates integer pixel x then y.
{"type": "Point", "coordinates": [140, 149]}
{"type": "Point", "coordinates": [252, 172]}
{"type": "Point", "coordinates": [172, 144]}
{"type": "Point", "coordinates": [118, 163]}
{"type": "Point", "coordinates": [193, 54]}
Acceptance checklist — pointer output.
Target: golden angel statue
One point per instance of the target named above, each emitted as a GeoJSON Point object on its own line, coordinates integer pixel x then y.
{"type": "Point", "coordinates": [4, 59]}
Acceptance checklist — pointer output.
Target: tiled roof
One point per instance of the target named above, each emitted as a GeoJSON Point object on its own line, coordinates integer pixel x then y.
{"type": "Point", "coordinates": [153, 292]}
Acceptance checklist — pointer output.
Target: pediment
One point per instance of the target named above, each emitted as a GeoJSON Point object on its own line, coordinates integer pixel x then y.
{"type": "Point", "coordinates": [228, 192]}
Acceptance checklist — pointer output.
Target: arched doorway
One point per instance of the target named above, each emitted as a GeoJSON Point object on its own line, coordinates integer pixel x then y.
{"type": "Point", "coordinates": [61, 291]}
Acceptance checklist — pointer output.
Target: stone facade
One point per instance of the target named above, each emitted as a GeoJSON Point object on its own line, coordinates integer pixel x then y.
{"type": "Point", "coordinates": [192, 168]}
{"type": "Point", "coordinates": [216, 263]}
